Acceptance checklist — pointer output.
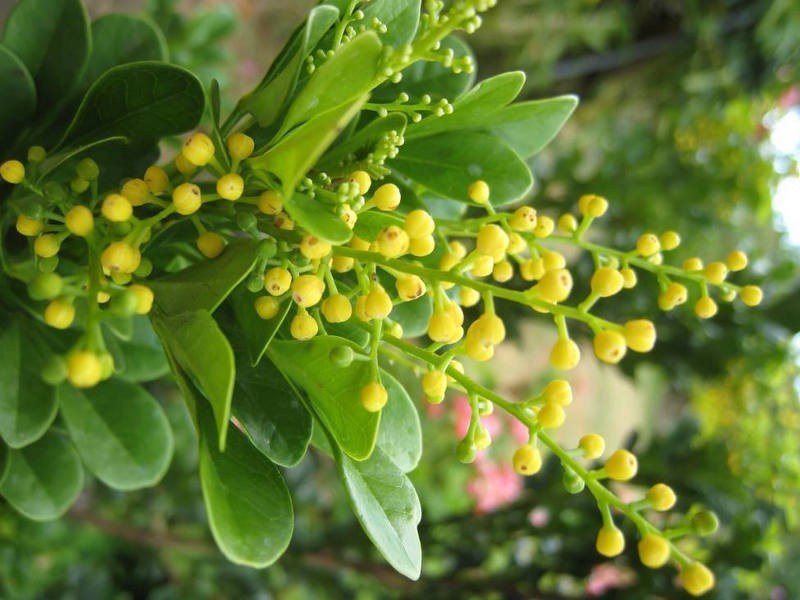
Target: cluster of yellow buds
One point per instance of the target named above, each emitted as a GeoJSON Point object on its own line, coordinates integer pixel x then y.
{"type": "Point", "coordinates": [395, 255]}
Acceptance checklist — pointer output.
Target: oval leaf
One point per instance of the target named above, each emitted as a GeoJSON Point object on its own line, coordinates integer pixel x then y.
{"type": "Point", "coordinates": [120, 431]}
{"type": "Point", "coordinates": [448, 162]}
{"type": "Point", "coordinates": [317, 219]}
{"type": "Point", "coordinates": [27, 404]}
{"type": "Point", "coordinates": [400, 433]}
{"type": "Point", "coordinates": [341, 79]}
{"type": "Point", "coordinates": [142, 100]}
{"type": "Point", "coordinates": [140, 358]}
{"type": "Point", "coordinates": [43, 480]}
{"type": "Point", "coordinates": [256, 332]}
{"type": "Point", "coordinates": [387, 506]}
{"type": "Point", "coordinates": [401, 18]}
{"type": "Point", "coordinates": [267, 100]}
{"type": "Point", "coordinates": [529, 126]}
{"type": "Point", "coordinates": [19, 95]}
{"type": "Point", "coordinates": [201, 349]}
{"type": "Point", "coordinates": [52, 38]}
{"type": "Point", "coordinates": [473, 108]}
{"type": "Point", "coordinates": [118, 39]}
{"type": "Point", "coordinates": [334, 391]}
{"type": "Point", "coordinates": [205, 285]}
{"type": "Point", "coordinates": [298, 152]}
{"type": "Point", "coordinates": [248, 505]}
{"type": "Point", "coordinates": [271, 412]}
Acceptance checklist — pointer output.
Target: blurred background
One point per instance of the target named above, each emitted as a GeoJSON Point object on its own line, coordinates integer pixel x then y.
{"type": "Point", "coordinates": [689, 120]}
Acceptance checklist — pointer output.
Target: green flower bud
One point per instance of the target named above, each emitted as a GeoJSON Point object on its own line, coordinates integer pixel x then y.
{"type": "Point", "coordinates": [705, 522]}
{"type": "Point", "coordinates": [342, 356]}
{"type": "Point", "coordinates": [466, 451]}
{"type": "Point", "coordinates": [572, 482]}
{"type": "Point", "coordinates": [45, 286]}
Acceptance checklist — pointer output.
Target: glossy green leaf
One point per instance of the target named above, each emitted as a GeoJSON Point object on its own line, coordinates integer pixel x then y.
{"type": "Point", "coordinates": [199, 347]}
{"type": "Point", "coordinates": [387, 506]}
{"type": "Point", "coordinates": [206, 284]}
{"type": "Point", "coordinates": [27, 404]}
{"type": "Point", "coordinates": [266, 102]}
{"type": "Point", "coordinates": [529, 126]}
{"type": "Point", "coordinates": [118, 39]}
{"type": "Point", "coordinates": [431, 77]}
{"type": "Point", "coordinates": [363, 141]}
{"type": "Point", "coordinates": [120, 432]}
{"type": "Point", "coordinates": [473, 109]}
{"type": "Point", "coordinates": [140, 100]}
{"type": "Point", "coordinates": [256, 332]}
{"type": "Point", "coordinates": [248, 505]}
{"type": "Point", "coordinates": [43, 480]}
{"type": "Point", "coordinates": [400, 433]}
{"type": "Point", "coordinates": [317, 218]}
{"type": "Point", "coordinates": [19, 95]}
{"type": "Point", "coordinates": [401, 18]}
{"type": "Point", "coordinates": [370, 223]}
{"type": "Point", "coordinates": [341, 80]}
{"type": "Point", "coordinates": [298, 152]}
{"type": "Point", "coordinates": [271, 412]}
{"type": "Point", "coordinates": [52, 38]}
{"type": "Point", "coordinates": [447, 163]}
{"type": "Point", "coordinates": [333, 390]}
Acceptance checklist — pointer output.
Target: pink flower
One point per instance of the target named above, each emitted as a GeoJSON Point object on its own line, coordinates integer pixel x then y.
{"type": "Point", "coordinates": [539, 517]}
{"type": "Point", "coordinates": [493, 486]}
{"type": "Point", "coordinates": [463, 414]}
{"type": "Point", "coordinates": [606, 576]}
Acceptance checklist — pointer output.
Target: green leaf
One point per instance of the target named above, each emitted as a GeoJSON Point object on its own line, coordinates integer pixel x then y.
{"type": "Point", "coordinates": [387, 506]}
{"type": "Point", "coordinates": [341, 80]}
{"type": "Point", "coordinates": [370, 223]}
{"type": "Point", "coordinates": [27, 404]}
{"type": "Point", "coordinates": [400, 433]}
{"type": "Point", "coordinates": [413, 316]}
{"type": "Point", "coordinates": [201, 349]}
{"type": "Point", "coordinates": [317, 218]}
{"type": "Point", "coordinates": [267, 101]}
{"type": "Point", "coordinates": [430, 77]}
{"type": "Point", "coordinates": [248, 505]}
{"type": "Point", "coordinates": [118, 39]}
{"type": "Point", "coordinates": [19, 95]}
{"type": "Point", "coordinates": [141, 100]}
{"type": "Point", "coordinates": [56, 159]}
{"type": "Point", "coordinates": [141, 357]}
{"type": "Point", "coordinates": [401, 18]}
{"type": "Point", "coordinates": [473, 108]}
{"type": "Point", "coordinates": [271, 412]}
{"type": "Point", "coordinates": [256, 332]}
{"type": "Point", "coordinates": [334, 391]}
{"type": "Point", "coordinates": [120, 432]}
{"type": "Point", "coordinates": [43, 480]}
{"type": "Point", "coordinates": [206, 284]}
{"type": "Point", "coordinates": [363, 141]}
{"type": "Point", "coordinates": [447, 163]}
{"type": "Point", "coordinates": [529, 126]}
{"type": "Point", "coordinates": [299, 151]}
{"type": "Point", "coordinates": [52, 38]}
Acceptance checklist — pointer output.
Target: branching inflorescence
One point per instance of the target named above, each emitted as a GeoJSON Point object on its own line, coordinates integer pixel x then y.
{"type": "Point", "coordinates": [344, 239]}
